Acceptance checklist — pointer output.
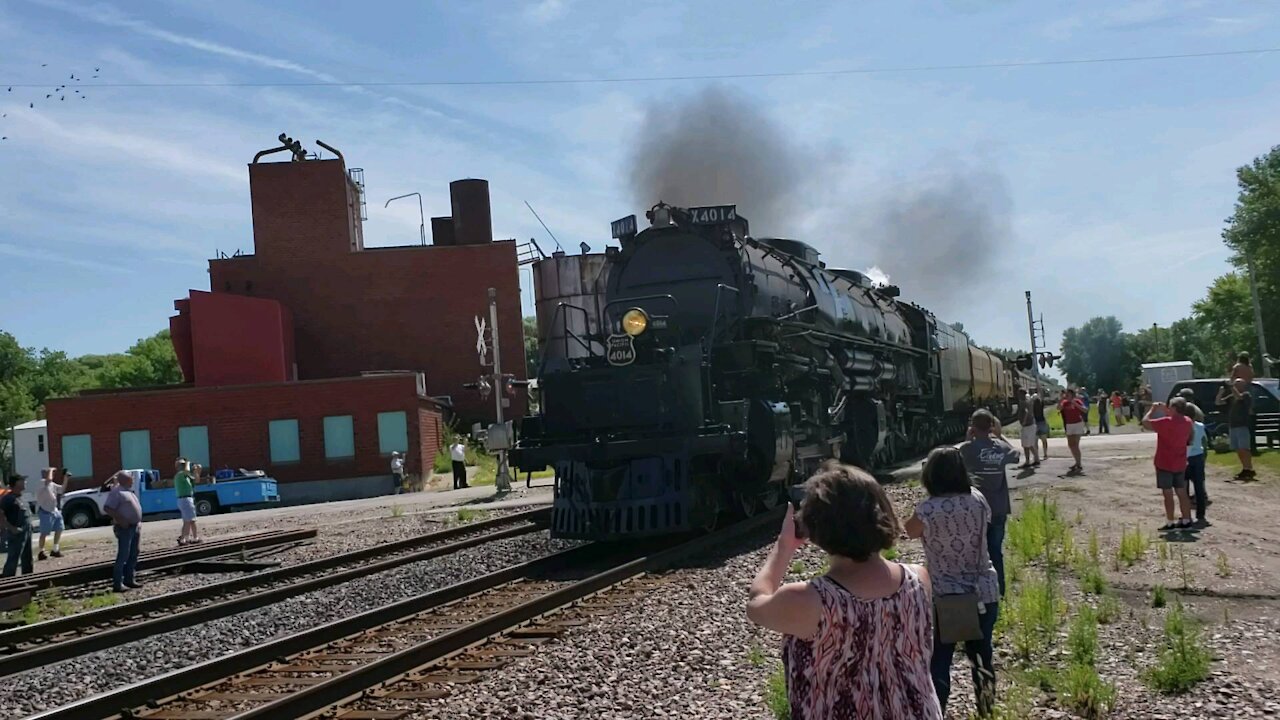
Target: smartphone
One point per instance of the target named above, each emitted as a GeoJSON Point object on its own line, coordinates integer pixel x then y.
{"type": "Point", "coordinates": [795, 494]}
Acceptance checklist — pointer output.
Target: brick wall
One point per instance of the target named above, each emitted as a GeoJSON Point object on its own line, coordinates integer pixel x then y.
{"type": "Point", "coordinates": [237, 419]}
{"type": "Point", "coordinates": [356, 310]}
{"type": "Point", "coordinates": [409, 308]}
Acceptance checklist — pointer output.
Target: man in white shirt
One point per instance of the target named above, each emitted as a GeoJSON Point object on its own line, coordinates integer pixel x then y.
{"type": "Point", "coordinates": [397, 471]}
{"type": "Point", "coordinates": [49, 506]}
{"type": "Point", "coordinates": [458, 454]}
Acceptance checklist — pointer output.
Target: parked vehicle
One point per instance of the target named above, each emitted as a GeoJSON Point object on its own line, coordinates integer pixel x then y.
{"type": "Point", "coordinates": [1266, 402]}
{"type": "Point", "coordinates": [83, 508]}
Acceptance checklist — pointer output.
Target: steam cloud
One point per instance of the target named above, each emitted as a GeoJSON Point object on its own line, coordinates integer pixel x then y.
{"type": "Point", "coordinates": [716, 148]}
{"type": "Point", "coordinates": [938, 234]}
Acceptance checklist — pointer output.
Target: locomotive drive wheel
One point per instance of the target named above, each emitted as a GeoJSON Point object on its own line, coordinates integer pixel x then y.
{"type": "Point", "coordinates": [747, 502]}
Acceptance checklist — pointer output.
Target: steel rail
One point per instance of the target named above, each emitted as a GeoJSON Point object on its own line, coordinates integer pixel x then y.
{"type": "Point", "coordinates": [120, 702]}
{"type": "Point", "coordinates": [154, 559]}
{"type": "Point", "coordinates": [352, 684]}
{"type": "Point", "coordinates": [21, 659]}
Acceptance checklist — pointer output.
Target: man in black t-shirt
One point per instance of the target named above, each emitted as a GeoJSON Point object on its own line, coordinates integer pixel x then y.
{"type": "Point", "coordinates": [1239, 402]}
{"type": "Point", "coordinates": [17, 524]}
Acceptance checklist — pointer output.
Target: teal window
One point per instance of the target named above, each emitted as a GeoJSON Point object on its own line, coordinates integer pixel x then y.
{"type": "Point", "coordinates": [193, 444]}
{"type": "Point", "coordinates": [393, 432]}
{"type": "Point", "coordinates": [77, 455]}
{"type": "Point", "coordinates": [135, 449]}
{"type": "Point", "coordinates": [339, 437]}
{"type": "Point", "coordinates": [284, 441]}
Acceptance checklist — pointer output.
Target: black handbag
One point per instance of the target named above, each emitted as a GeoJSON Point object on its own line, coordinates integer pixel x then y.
{"type": "Point", "coordinates": [957, 618]}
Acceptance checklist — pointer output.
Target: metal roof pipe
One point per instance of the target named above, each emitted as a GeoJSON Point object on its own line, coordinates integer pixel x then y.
{"type": "Point", "coordinates": [332, 149]}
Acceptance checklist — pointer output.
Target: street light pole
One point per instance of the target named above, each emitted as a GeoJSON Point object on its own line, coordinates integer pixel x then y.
{"type": "Point", "coordinates": [422, 218]}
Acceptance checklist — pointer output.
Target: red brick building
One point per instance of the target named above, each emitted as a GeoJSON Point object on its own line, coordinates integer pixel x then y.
{"type": "Point", "coordinates": [314, 357]}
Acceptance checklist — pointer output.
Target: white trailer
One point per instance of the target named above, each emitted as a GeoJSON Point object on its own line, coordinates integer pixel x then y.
{"type": "Point", "coordinates": [1162, 376]}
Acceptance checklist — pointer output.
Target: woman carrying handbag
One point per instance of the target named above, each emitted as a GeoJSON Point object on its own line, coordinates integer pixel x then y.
{"type": "Point", "coordinates": [953, 522]}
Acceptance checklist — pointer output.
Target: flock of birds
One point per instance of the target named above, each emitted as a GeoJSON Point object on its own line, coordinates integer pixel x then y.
{"type": "Point", "coordinates": [61, 92]}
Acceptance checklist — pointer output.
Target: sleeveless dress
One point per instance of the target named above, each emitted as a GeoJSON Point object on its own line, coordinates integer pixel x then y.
{"type": "Point", "coordinates": [869, 659]}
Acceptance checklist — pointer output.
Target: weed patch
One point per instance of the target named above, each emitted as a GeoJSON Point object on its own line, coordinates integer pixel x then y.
{"type": "Point", "coordinates": [1084, 691]}
{"type": "Point", "coordinates": [1038, 533]}
{"type": "Point", "coordinates": [468, 515]}
{"type": "Point", "coordinates": [1158, 599]}
{"type": "Point", "coordinates": [1184, 660]}
{"type": "Point", "coordinates": [1082, 639]}
{"type": "Point", "coordinates": [775, 695]}
{"type": "Point", "coordinates": [1108, 609]}
{"type": "Point", "coordinates": [755, 655]}
{"type": "Point", "coordinates": [1224, 567]}
{"type": "Point", "coordinates": [889, 553]}
{"type": "Point", "coordinates": [1133, 546]}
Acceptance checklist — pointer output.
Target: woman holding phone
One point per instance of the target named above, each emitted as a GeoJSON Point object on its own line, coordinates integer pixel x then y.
{"type": "Point", "coordinates": [857, 640]}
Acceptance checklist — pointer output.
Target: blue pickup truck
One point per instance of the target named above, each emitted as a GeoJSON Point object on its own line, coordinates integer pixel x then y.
{"type": "Point", "coordinates": [83, 508]}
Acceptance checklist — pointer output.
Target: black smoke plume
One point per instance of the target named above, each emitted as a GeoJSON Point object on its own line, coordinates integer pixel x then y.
{"type": "Point", "coordinates": [715, 147]}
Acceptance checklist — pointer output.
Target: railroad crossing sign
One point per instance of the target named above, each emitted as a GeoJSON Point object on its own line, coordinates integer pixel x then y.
{"type": "Point", "coordinates": [482, 347]}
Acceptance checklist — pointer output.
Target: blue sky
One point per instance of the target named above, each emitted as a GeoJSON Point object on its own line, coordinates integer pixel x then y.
{"type": "Point", "coordinates": [1113, 179]}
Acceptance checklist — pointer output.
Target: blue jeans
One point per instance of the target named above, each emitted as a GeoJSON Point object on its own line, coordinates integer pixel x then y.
{"type": "Point", "coordinates": [18, 547]}
{"type": "Point", "coordinates": [995, 546]}
{"type": "Point", "coordinates": [980, 658]}
{"type": "Point", "coordinates": [1195, 476]}
{"type": "Point", "coordinates": [127, 541]}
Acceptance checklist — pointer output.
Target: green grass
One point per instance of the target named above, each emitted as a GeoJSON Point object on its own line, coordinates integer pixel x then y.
{"type": "Point", "coordinates": [466, 515]}
{"type": "Point", "coordinates": [1092, 580]}
{"type": "Point", "coordinates": [51, 604]}
{"type": "Point", "coordinates": [1032, 616]}
{"type": "Point", "coordinates": [1184, 660]}
{"type": "Point", "coordinates": [1108, 609]}
{"type": "Point", "coordinates": [1084, 691]}
{"type": "Point", "coordinates": [755, 655]}
{"type": "Point", "coordinates": [1224, 567]}
{"type": "Point", "coordinates": [1133, 546]}
{"type": "Point", "coordinates": [1039, 534]}
{"type": "Point", "coordinates": [1082, 638]}
{"type": "Point", "coordinates": [1158, 599]}
{"type": "Point", "coordinates": [397, 510]}
{"type": "Point", "coordinates": [889, 553]}
{"type": "Point", "coordinates": [775, 694]}
{"type": "Point", "coordinates": [1266, 461]}
{"type": "Point", "coordinates": [797, 567]}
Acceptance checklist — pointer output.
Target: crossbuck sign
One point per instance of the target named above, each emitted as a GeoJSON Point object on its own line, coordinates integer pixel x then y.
{"type": "Point", "coordinates": [482, 347]}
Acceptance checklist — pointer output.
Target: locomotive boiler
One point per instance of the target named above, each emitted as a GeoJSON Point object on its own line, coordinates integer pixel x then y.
{"type": "Point", "coordinates": [726, 367]}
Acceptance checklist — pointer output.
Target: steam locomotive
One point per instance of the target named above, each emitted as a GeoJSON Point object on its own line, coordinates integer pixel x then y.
{"type": "Point", "coordinates": [720, 368]}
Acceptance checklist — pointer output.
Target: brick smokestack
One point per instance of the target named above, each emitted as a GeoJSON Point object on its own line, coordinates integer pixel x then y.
{"type": "Point", "coordinates": [472, 221]}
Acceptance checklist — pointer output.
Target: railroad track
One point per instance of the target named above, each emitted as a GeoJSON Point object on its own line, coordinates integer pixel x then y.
{"type": "Point", "coordinates": [152, 560]}
{"type": "Point", "coordinates": [30, 646]}
{"type": "Point", "coordinates": [407, 645]}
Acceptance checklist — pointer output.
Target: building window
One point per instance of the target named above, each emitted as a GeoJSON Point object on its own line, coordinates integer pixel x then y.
{"type": "Point", "coordinates": [135, 449]}
{"type": "Point", "coordinates": [284, 441]}
{"type": "Point", "coordinates": [77, 455]}
{"type": "Point", "coordinates": [393, 432]}
{"type": "Point", "coordinates": [193, 443]}
{"type": "Point", "coordinates": [339, 437]}
{"type": "Point", "coordinates": [40, 442]}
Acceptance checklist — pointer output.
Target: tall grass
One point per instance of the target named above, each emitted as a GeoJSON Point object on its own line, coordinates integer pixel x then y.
{"type": "Point", "coordinates": [775, 695]}
{"type": "Point", "coordinates": [1039, 534]}
{"type": "Point", "coordinates": [1184, 660]}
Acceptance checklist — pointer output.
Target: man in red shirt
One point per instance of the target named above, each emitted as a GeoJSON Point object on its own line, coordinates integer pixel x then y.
{"type": "Point", "coordinates": [1173, 435]}
{"type": "Point", "coordinates": [1074, 422]}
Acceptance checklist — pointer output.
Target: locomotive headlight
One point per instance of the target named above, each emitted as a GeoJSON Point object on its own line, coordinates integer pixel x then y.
{"type": "Point", "coordinates": [634, 322]}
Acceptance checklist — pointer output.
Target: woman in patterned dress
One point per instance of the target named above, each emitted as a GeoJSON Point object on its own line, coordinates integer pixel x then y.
{"type": "Point", "coordinates": [953, 522]}
{"type": "Point", "coordinates": [857, 640]}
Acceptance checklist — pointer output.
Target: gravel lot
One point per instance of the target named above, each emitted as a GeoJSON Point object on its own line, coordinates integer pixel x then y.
{"type": "Point", "coordinates": [687, 649]}
{"type": "Point", "coordinates": [59, 684]}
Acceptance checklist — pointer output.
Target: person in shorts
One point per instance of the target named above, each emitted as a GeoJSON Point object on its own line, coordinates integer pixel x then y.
{"type": "Point", "coordinates": [1239, 402]}
{"type": "Point", "coordinates": [1173, 431]}
{"type": "Point", "coordinates": [184, 485]}
{"type": "Point", "coordinates": [1196, 456]}
{"type": "Point", "coordinates": [1042, 425]}
{"type": "Point", "coordinates": [49, 511]}
{"type": "Point", "coordinates": [1027, 430]}
{"type": "Point", "coordinates": [1074, 423]}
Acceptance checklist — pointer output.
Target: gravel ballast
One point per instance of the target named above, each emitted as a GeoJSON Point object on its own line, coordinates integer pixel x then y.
{"type": "Point", "coordinates": [54, 685]}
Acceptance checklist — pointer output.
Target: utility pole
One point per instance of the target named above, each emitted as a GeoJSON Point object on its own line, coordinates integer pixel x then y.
{"type": "Point", "coordinates": [503, 479]}
{"type": "Point", "coordinates": [1257, 320]}
{"type": "Point", "coordinates": [1031, 326]}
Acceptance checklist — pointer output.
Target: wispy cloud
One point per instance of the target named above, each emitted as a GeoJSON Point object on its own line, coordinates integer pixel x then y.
{"type": "Point", "coordinates": [545, 11]}
{"type": "Point", "coordinates": [27, 253]}
{"type": "Point", "coordinates": [112, 17]}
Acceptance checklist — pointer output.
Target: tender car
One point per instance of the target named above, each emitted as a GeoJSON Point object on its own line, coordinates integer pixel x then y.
{"type": "Point", "coordinates": [83, 508]}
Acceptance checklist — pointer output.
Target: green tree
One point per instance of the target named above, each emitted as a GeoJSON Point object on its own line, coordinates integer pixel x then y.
{"type": "Point", "coordinates": [1253, 233]}
{"type": "Point", "coordinates": [1226, 316]}
{"type": "Point", "coordinates": [1097, 354]}
{"type": "Point", "coordinates": [531, 347]}
{"type": "Point", "coordinates": [151, 361]}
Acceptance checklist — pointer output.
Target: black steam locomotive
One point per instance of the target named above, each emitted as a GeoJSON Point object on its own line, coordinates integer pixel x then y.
{"type": "Point", "coordinates": [728, 367]}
